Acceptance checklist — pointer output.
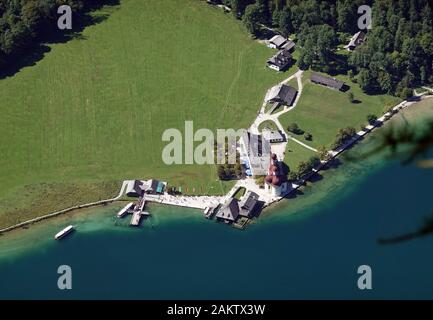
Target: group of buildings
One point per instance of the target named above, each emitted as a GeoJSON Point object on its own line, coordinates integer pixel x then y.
{"type": "Point", "coordinates": [283, 58]}
{"type": "Point", "coordinates": [137, 188]}
{"type": "Point", "coordinates": [256, 156]}
{"type": "Point", "coordinates": [247, 207]}
{"type": "Point", "coordinates": [255, 149]}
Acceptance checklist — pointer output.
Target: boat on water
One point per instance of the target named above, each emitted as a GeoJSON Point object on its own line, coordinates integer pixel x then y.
{"type": "Point", "coordinates": [125, 210]}
{"type": "Point", "coordinates": [64, 232]}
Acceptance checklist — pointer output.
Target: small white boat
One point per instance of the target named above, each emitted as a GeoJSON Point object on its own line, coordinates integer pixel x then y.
{"type": "Point", "coordinates": [64, 232]}
{"type": "Point", "coordinates": [125, 210]}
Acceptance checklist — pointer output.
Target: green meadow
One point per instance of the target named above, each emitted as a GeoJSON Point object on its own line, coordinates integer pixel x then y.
{"type": "Point", "coordinates": [322, 111]}
{"type": "Point", "coordinates": [92, 111]}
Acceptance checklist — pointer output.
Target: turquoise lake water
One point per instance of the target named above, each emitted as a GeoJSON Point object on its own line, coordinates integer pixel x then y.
{"type": "Point", "coordinates": [306, 247]}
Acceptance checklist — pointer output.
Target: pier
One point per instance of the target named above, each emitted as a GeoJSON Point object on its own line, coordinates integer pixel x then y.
{"type": "Point", "coordinates": [137, 211]}
{"type": "Point", "coordinates": [210, 212]}
{"type": "Point", "coordinates": [136, 218]}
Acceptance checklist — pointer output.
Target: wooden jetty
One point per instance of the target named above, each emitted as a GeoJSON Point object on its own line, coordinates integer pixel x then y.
{"type": "Point", "coordinates": [136, 218]}
{"type": "Point", "coordinates": [210, 212]}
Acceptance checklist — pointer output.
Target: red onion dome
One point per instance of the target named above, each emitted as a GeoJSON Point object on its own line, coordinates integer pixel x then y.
{"type": "Point", "coordinates": [273, 168]}
{"type": "Point", "coordinates": [276, 181]}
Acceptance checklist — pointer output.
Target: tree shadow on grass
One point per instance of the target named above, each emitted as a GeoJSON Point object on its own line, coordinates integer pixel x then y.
{"type": "Point", "coordinates": [265, 34]}
{"type": "Point", "coordinates": [52, 35]}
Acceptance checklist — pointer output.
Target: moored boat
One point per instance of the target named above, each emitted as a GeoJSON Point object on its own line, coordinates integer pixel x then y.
{"type": "Point", "coordinates": [64, 232]}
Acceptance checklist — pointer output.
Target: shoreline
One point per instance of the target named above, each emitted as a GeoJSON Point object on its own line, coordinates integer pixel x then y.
{"type": "Point", "coordinates": [359, 137]}
{"type": "Point", "coordinates": [18, 242]}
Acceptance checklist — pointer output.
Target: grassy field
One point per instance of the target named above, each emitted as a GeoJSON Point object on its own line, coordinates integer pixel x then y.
{"type": "Point", "coordinates": [92, 111]}
{"type": "Point", "coordinates": [322, 111]}
{"type": "Point", "coordinates": [296, 153]}
{"type": "Point", "coordinates": [268, 124]}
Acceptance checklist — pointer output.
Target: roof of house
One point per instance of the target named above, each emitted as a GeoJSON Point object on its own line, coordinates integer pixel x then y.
{"type": "Point", "coordinates": [282, 93]}
{"type": "Point", "coordinates": [248, 203]}
{"type": "Point", "coordinates": [281, 59]}
{"type": "Point", "coordinates": [327, 81]}
{"type": "Point", "coordinates": [229, 210]}
{"type": "Point", "coordinates": [357, 39]}
{"type": "Point", "coordinates": [273, 135]}
{"type": "Point", "coordinates": [278, 40]}
{"type": "Point", "coordinates": [259, 165]}
{"type": "Point", "coordinates": [256, 145]}
{"type": "Point", "coordinates": [289, 45]}
{"type": "Point", "coordinates": [152, 185]}
{"type": "Point", "coordinates": [258, 150]}
{"type": "Point", "coordinates": [134, 186]}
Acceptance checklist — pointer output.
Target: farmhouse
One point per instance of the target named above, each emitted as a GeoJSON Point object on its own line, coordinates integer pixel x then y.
{"type": "Point", "coordinates": [327, 81]}
{"type": "Point", "coordinates": [277, 42]}
{"type": "Point", "coordinates": [229, 210]}
{"type": "Point", "coordinates": [356, 41]}
{"type": "Point", "coordinates": [134, 188]}
{"type": "Point", "coordinates": [281, 93]}
{"type": "Point", "coordinates": [273, 136]}
{"type": "Point", "coordinates": [248, 204]}
{"type": "Point", "coordinates": [280, 61]}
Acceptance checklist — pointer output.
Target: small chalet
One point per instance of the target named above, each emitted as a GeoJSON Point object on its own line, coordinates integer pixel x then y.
{"type": "Point", "coordinates": [280, 61]}
{"type": "Point", "coordinates": [327, 81]}
{"type": "Point", "coordinates": [277, 42]}
{"type": "Point", "coordinates": [281, 93]}
{"type": "Point", "coordinates": [248, 204]}
{"type": "Point", "coordinates": [134, 188]}
{"type": "Point", "coordinates": [356, 41]}
{"type": "Point", "coordinates": [229, 211]}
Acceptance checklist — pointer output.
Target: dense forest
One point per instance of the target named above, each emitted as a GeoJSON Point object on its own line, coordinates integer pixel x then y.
{"type": "Point", "coordinates": [396, 56]}
{"type": "Point", "coordinates": [25, 23]}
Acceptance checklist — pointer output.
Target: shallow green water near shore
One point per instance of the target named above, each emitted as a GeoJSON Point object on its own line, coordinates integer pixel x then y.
{"type": "Point", "coordinates": [306, 247]}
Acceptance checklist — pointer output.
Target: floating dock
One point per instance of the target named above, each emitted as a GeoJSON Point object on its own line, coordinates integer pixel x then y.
{"type": "Point", "coordinates": [136, 218]}
{"type": "Point", "coordinates": [64, 232]}
{"type": "Point", "coordinates": [138, 212]}
{"type": "Point", "coordinates": [209, 212]}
